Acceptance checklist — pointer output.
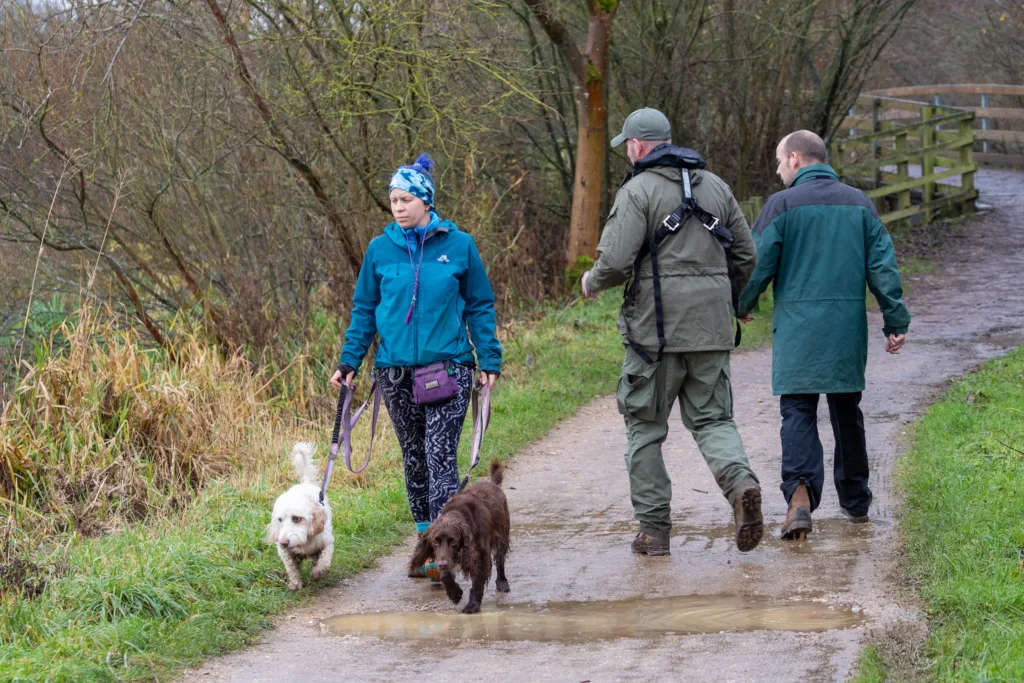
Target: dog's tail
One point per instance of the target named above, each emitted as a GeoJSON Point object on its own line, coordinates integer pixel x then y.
{"type": "Point", "coordinates": [497, 473]}
{"type": "Point", "coordinates": [302, 461]}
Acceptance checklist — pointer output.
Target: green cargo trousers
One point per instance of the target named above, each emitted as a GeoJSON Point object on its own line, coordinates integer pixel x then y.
{"type": "Point", "coordinates": [646, 393]}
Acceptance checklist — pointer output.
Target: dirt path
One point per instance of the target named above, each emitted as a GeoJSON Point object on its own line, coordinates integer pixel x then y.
{"type": "Point", "coordinates": [582, 607]}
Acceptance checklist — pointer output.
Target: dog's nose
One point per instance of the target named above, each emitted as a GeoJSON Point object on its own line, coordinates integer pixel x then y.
{"type": "Point", "coordinates": [442, 564]}
{"type": "Point", "coordinates": [284, 542]}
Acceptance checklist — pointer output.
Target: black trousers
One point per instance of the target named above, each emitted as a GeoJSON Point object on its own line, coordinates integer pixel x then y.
{"type": "Point", "coordinates": [802, 456]}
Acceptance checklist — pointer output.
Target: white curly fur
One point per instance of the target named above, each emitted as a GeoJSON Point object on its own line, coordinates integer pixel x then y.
{"type": "Point", "coordinates": [301, 527]}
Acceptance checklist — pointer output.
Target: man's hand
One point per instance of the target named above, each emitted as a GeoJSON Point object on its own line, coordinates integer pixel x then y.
{"type": "Point", "coordinates": [748, 318]}
{"type": "Point", "coordinates": [895, 342]}
{"type": "Point", "coordinates": [488, 378]}
{"type": "Point", "coordinates": [583, 285]}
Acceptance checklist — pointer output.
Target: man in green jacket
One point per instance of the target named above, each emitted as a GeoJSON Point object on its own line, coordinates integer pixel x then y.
{"type": "Point", "coordinates": [818, 242]}
{"type": "Point", "coordinates": [685, 354]}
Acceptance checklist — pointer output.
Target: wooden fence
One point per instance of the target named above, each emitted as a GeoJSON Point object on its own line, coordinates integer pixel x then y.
{"type": "Point", "coordinates": [998, 110]}
{"type": "Point", "coordinates": [888, 138]}
{"type": "Point", "coordinates": [915, 149]}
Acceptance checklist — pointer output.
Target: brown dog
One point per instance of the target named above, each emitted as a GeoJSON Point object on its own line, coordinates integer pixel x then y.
{"type": "Point", "coordinates": [471, 528]}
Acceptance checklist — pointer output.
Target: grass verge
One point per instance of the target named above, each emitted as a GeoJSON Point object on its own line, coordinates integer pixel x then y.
{"type": "Point", "coordinates": [144, 602]}
{"type": "Point", "coordinates": [963, 525]}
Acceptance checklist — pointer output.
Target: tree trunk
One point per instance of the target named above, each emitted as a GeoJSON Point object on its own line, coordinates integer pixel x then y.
{"type": "Point", "coordinates": [589, 70]}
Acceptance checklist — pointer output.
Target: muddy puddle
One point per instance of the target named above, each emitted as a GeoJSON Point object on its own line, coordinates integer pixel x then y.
{"type": "Point", "coordinates": [835, 536]}
{"type": "Point", "coordinates": [572, 622]}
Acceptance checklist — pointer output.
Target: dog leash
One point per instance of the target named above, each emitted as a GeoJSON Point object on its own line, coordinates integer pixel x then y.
{"type": "Point", "coordinates": [481, 419]}
{"type": "Point", "coordinates": [344, 421]}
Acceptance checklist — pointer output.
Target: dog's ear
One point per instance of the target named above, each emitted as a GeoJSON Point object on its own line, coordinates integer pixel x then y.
{"type": "Point", "coordinates": [423, 553]}
{"type": "Point", "coordinates": [469, 557]}
{"type": "Point", "coordinates": [273, 531]}
{"type": "Point", "coordinates": [319, 520]}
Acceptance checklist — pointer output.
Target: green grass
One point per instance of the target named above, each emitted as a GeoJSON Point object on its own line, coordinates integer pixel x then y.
{"type": "Point", "coordinates": [145, 602]}
{"type": "Point", "coordinates": [870, 668]}
{"type": "Point", "coordinates": [963, 525]}
{"type": "Point", "coordinates": [918, 266]}
{"type": "Point", "coordinates": [759, 332]}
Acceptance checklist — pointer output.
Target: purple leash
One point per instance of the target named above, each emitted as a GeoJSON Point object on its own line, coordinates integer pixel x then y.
{"type": "Point", "coordinates": [481, 419]}
{"type": "Point", "coordinates": [344, 421]}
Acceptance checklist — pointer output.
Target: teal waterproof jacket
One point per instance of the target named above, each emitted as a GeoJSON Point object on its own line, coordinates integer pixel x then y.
{"type": "Point", "coordinates": [818, 243]}
{"type": "Point", "coordinates": [454, 297]}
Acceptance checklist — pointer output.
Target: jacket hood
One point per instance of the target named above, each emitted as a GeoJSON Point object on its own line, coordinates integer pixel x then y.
{"type": "Point", "coordinates": [670, 155]}
{"type": "Point", "coordinates": [665, 157]}
{"type": "Point", "coordinates": [397, 233]}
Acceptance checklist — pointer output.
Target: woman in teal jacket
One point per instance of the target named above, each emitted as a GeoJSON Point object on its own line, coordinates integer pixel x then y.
{"type": "Point", "coordinates": [422, 285]}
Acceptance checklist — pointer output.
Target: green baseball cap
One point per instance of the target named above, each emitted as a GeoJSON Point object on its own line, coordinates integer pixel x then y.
{"type": "Point", "coordinates": [644, 124]}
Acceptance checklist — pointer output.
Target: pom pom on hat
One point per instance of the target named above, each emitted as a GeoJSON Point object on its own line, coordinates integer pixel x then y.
{"type": "Point", "coordinates": [424, 163]}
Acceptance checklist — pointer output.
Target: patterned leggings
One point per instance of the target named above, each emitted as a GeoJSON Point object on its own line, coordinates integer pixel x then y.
{"type": "Point", "coordinates": [429, 437]}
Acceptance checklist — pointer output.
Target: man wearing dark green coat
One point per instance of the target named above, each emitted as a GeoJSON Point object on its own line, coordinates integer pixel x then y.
{"type": "Point", "coordinates": [818, 243]}
{"type": "Point", "coordinates": [685, 357]}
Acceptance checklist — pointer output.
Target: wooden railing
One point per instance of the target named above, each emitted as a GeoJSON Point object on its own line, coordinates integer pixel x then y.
{"type": "Point", "coordinates": [914, 149]}
{"type": "Point", "coordinates": [888, 138]}
{"type": "Point", "coordinates": [998, 109]}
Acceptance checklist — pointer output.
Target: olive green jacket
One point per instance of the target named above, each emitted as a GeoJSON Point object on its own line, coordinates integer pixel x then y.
{"type": "Point", "coordinates": [696, 294]}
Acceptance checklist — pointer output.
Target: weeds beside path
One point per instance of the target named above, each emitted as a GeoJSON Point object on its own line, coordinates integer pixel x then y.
{"type": "Point", "coordinates": [963, 525]}
{"type": "Point", "coordinates": [141, 603]}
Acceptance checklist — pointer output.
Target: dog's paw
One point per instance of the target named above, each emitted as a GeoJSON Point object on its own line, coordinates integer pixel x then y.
{"type": "Point", "coordinates": [455, 595]}
{"type": "Point", "coordinates": [294, 585]}
{"type": "Point", "coordinates": [471, 608]}
{"type": "Point", "coordinates": [318, 573]}
{"type": "Point", "coordinates": [502, 586]}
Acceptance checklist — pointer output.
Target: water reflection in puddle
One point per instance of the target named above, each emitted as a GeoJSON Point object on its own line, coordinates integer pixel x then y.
{"type": "Point", "coordinates": [602, 620]}
{"type": "Point", "coordinates": [835, 536]}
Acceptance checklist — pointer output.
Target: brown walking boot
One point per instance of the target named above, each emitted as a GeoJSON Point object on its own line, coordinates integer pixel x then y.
{"type": "Point", "coordinates": [749, 522]}
{"type": "Point", "coordinates": [798, 517]}
{"type": "Point", "coordinates": [649, 545]}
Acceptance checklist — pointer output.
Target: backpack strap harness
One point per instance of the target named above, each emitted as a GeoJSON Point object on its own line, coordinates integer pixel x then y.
{"type": "Point", "coordinates": [670, 226]}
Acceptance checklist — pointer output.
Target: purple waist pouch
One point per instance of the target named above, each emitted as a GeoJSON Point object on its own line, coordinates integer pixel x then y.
{"type": "Point", "coordinates": [434, 383]}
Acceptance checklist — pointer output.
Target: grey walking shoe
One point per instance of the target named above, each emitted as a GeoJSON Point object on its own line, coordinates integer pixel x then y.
{"type": "Point", "coordinates": [650, 545]}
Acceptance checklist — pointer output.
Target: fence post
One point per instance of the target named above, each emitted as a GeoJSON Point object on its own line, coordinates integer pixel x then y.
{"type": "Point", "coordinates": [927, 158]}
{"type": "Point", "coordinates": [837, 159]}
{"type": "Point", "coordinates": [902, 169]}
{"type": "Point", "coordinates": [984, 121]}
{"type": "Point", "coordinates": [967, 159]}
{"type": "Point", "coordinates": [876, 148]}
{"type": "Point", "coordinates": [876, 151]}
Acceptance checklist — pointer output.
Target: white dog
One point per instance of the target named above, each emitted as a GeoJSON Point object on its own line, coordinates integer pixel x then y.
{"type": "Point", "coordinates": [301, 526]}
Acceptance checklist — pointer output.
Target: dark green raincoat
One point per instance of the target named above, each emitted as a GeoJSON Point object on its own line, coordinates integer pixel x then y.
{"type": "Point", "coordinates": [818, 243]}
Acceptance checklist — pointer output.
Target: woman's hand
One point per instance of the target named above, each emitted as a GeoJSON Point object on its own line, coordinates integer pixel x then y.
{"type": "Point", "coordinates": [488, 378]}
{"type": "Point", "coordinates": [336, 378]}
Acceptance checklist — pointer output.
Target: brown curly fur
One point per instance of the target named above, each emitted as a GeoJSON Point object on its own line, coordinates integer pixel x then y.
{"type": "Point", "coordinates": [471, 529]}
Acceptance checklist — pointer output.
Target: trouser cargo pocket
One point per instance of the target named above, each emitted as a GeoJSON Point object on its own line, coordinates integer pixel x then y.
{"type": "Point", "coordinates": [637, 395]}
